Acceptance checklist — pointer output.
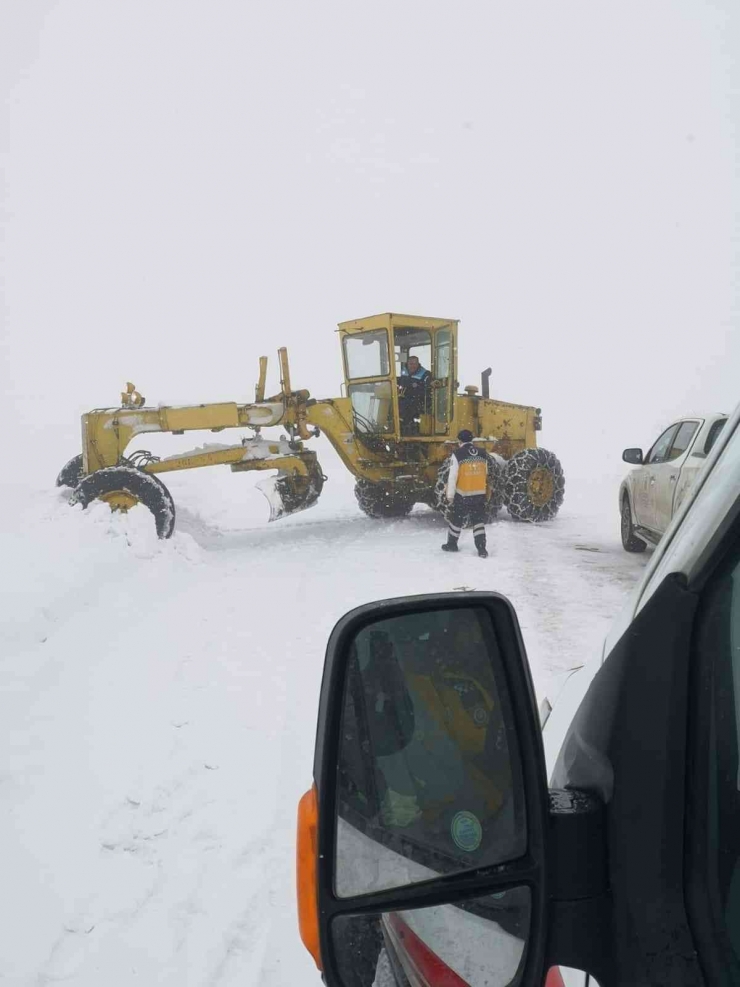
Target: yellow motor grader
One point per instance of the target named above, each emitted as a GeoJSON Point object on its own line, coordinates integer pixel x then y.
{"type": "Point", "coordinates": [394, 438]}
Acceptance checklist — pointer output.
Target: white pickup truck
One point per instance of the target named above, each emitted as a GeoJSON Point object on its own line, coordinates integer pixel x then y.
{"type": "Point", "coordinates": [652, 493]}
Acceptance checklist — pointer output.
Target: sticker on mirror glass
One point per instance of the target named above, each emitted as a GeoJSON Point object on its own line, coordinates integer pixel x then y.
{"type": "Point", "coordinates": [466, 831]}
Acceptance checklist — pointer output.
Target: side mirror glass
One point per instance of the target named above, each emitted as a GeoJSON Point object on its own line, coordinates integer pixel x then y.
{"type": "Point", "coordinates": [429, 780]}
{"type": "Point", "coordinates": [633, 456]}
{"type": "Point", "coordinates": [431, 800]}
{"type": "Point", "coordinates": [480, 941]}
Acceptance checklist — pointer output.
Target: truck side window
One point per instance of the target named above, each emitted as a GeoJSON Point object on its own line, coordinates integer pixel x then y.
{"type": "Point", "coordinates": [714, 431]}
{"type": "Point", "coordinates": [683, 439]}
{"type": "Point", "coordinates": [713, 785]}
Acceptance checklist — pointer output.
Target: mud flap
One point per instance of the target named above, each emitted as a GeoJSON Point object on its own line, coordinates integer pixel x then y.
{"type": "Point", "coordinates": [288, 493]}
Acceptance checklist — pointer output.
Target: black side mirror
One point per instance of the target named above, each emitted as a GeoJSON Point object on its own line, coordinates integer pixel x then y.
{"type": "Point", "coordinates": [633, 456]}
{"type": "Point", "coordinates": [428, 823]}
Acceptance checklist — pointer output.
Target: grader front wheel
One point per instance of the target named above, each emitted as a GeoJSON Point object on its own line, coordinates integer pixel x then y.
{"type": "Point", "coordinates": [379, 501]}
{"type": "Point", "coordinates": [534, 486]}
{"type": "Point", "coordinates": [123, 487]}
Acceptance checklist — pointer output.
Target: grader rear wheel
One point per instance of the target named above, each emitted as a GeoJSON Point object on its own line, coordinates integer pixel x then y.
{"type": "Point", "coordinates": [378, 501]}
{"type": "Point", "coordinates": [495, 487]}
{"type": "Point", "coordinates": [534, 486]}
{"type": "Point", "coordinates": [71, 473]}
{"type": "Point", "coordinates": [123, 487]}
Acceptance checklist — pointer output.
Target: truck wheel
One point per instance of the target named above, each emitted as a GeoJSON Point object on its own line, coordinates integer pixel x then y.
{"type": "Point", "coordinates": [534, 485]}
{"type": "Point", "coordinates": [376, 500]}
{"type": "Point", "coordinates": [630, 541]}
{"type": "Point", "coordinates": [123, 487]}
{"type": "Point", "coordinates": [71, 474]}
{"type": "Point", "coordinates": [495, 485]}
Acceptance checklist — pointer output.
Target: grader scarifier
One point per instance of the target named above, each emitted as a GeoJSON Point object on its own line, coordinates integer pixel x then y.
{"type": "Point", "coordinates": [397, 446]}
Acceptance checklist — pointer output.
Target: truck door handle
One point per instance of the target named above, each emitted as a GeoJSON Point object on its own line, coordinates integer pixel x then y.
{"type": "Point", "coordinates": [672, 477]}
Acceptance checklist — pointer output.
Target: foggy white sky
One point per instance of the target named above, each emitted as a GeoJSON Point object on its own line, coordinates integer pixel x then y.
{"type": "Point", "coordinates": [189, 185]}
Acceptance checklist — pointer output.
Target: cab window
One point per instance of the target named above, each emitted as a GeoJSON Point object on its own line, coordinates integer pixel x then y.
{"type": "Point", "coordinates": [412, 342]}
{"type": "Point", "coordinates": [366, 355]}
{"type": "Point", "coordinates": [684, 438]}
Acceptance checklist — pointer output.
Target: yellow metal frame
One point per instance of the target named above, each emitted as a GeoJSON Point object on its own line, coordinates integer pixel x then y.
{"type": "Point", "coordinates": [106, 433]}
{"type": "Point", "coordinates": [389, 320]}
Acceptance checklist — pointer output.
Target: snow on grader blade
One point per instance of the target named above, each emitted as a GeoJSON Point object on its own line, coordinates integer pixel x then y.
{"type": "Point", "coordinates": [394, 431]}
{"type": "Point", "coordinates": [283, 497]}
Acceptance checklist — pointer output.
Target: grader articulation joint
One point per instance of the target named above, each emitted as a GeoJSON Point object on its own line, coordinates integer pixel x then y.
{"type": "Point", "coordinates": [394, 430]}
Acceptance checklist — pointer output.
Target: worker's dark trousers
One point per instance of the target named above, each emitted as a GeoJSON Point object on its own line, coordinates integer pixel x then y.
{"type": "Point", "coordinates": [467, 512]}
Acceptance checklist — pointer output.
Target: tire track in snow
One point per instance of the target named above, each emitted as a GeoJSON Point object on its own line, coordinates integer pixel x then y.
{"type": "Point", "coordinates": [567, 585]}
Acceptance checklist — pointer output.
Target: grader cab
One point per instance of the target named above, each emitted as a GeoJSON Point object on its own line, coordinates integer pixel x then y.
{"type": "Point", "coordinates": [394, 428]}
{"type": "Point", "coordinates": [377, 352]}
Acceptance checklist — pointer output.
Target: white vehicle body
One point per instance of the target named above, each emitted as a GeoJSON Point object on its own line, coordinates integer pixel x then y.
{"type": "Point", "coordinates": [657, 487]}
{"type": "Point", "coordinates": [708, 503]}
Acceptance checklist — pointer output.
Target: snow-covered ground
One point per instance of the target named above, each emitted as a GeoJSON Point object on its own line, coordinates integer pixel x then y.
{"type": "Point", "coordinates": [158, 702]}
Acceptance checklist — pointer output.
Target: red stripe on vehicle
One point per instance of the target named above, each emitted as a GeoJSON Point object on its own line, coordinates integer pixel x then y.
{"type": "Point", "coordinates": [554, 978]}
{"type": "Point", "coordinates": [428, 967]}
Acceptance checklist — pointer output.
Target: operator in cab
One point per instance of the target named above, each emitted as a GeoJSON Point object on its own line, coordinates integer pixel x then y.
{"type": "Point", "coordinates": [414, 387]}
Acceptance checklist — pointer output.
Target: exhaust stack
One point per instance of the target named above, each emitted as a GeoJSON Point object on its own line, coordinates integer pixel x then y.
{"type": "Point", "coordinates": [484, 389]}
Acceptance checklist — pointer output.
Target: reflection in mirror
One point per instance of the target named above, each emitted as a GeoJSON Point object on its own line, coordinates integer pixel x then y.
{"type": "Point", "coordinates": [429, 781]}
{"type": "Point", "coordinates": [475, 943]}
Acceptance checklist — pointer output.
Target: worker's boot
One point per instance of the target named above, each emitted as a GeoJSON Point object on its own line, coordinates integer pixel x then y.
{"type": "Point", "coordinates": [451, 544]}
{"type": "Point", "coordinates": [480, 544]}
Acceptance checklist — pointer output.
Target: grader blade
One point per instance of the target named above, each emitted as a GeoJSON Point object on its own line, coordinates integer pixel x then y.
{"type": "Point", "coordinates": [287, 493]}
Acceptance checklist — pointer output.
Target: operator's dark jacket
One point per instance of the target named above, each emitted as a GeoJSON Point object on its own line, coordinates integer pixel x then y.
{"type": "Point", "coordinates": [415, 388]}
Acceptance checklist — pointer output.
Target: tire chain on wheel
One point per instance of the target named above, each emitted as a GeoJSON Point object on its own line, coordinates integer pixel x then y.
{"type": "Point", "coordinates": [146, 488]}
{"type": "Point", "coordinates": [518, 471]}
{"type": "Point", "coordinates": [378, 501]}
{"type": "Point", "coordinates": [495, 484]}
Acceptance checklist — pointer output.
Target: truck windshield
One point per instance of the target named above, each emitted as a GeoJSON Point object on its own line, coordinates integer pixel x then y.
{"type": "Point", "coordinates": [366, 355]}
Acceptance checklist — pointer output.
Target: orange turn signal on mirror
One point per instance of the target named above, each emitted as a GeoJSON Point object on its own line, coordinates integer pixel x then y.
{"type": "Point", "coordinates": [306, 859]}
